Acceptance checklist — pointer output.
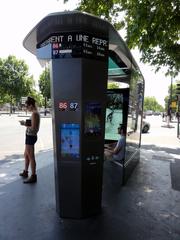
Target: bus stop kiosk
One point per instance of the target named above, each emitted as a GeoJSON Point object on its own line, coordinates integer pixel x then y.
{"type": "Point", "coordinates": [77, 47]}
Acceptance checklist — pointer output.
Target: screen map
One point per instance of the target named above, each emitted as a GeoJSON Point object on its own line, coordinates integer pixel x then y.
{"type": "Point", "coordinates": [70, 138]}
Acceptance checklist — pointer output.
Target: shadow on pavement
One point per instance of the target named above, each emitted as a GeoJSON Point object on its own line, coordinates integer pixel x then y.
{"type": "Point", "coordinates": [157, 148]}
{"type": "Point", "coordinates": [145, 208]}
{"type": "Point", "coordinates": [166, 157]}
{"type": "Point", "coordinates": [11, 158]}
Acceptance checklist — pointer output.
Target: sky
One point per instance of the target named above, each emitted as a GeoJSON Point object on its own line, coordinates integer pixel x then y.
{"type": "Point", "coordinates": [18, 17]}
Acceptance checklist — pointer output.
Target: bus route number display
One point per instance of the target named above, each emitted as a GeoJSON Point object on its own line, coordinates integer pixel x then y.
{"type": "Point", "coordinates": [73, 106]}
{"type": "Point", "coordinates": [68, 106]}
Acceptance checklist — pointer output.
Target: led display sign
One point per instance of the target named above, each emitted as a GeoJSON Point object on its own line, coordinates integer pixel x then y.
{"type": "Point", "coordinates": [68, 106]}
{"type": "Point", "coordinates": [67, 45]}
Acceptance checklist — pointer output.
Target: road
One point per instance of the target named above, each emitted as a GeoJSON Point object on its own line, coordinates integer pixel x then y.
{"type": "Point", "coordinates": [12, 144]}
{"type": "Point", "coordinates": [159, 134]}
{"type": "Point", "coordinates": [12, 135]}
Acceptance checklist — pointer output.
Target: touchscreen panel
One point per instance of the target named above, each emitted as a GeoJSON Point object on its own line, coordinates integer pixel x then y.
{"type": "Point", "coordinates": [70, 140]}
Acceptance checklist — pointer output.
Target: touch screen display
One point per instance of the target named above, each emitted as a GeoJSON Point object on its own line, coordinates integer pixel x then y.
{"type": "Point", "coordinates": [70, 140]}
{"type": "Point", "coordinates": [92, 119]}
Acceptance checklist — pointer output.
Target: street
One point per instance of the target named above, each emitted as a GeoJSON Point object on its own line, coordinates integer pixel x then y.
{"type": "Point", "coordinates": [159, 134]}
{"type": "Point", "coordinates": [13, 135]}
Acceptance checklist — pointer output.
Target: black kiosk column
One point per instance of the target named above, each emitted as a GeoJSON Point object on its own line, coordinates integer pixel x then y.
{"type": "Point", "coordinates": [76, 44]}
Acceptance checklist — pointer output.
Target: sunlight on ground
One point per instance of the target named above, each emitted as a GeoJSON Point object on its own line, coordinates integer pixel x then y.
{"type": "Point", "coordinates": [2, 175]}
{"type": "Point", "coordinates": [148, 190]}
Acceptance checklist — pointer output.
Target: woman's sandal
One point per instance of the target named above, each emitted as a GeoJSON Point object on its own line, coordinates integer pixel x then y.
{"type": "Point", "coordinates": [31, 179]}
{"type": "Point", "coordinates": [24, 174]}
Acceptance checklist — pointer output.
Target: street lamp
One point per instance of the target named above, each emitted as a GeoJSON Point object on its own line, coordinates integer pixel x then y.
{"type": "Point", "coordinates": [178, 110]}
{"type": "Point", "coordinates": [170, 103]}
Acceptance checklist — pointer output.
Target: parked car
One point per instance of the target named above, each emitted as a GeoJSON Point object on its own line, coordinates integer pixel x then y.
{"type": "Point", "coordinates": [149, 113]}
{"type": "Point", "coordinates": [145, 126]}
{"type": "Point", "coordinates": [157, 113]}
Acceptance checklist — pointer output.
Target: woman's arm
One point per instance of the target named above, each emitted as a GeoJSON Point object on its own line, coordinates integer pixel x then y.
{"type": "Point", "coordinates": [117, 148]}
{"type": "Point", "coordinates": [34, 121]}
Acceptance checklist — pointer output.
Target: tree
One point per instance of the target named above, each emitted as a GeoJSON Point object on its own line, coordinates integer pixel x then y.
{"type": "Point", "coordinates": [44, 86]}
{"type": "Point", "coordinates": [152, 26]}
{"type": "Point", "coordinates": [15, 81]}
{"type": "Point", "coordinates": [150, 103]}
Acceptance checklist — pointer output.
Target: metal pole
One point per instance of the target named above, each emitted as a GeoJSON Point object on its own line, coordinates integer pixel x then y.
{"type": "Point", "coordinates": [45, 102]}
{"type": "Point", "coordinates": [170, 105]}
{"type": "Point", "coordinates": [178, 118]}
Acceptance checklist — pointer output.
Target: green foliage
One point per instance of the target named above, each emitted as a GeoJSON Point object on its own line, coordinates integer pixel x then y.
{"type": "Point", "coordinates": [44, 83]}
{"type": "Point", "coordinates": [152, 26]}
{"type": "Point", "coordinates": [15, 81]}
{"type": "Point", "coordinates": [110, 10]}
{"type": "Point", "coordinates": [150, 103]}
{"type": "Point", "coordinates": [112, 85]}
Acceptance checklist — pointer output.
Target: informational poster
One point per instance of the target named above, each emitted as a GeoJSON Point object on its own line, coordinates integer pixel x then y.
{"type": "Point", "coordinates": [92, 125]}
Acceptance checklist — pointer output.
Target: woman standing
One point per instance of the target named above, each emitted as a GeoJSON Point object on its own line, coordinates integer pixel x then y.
{"type": "Point", "coordinates": [32, 128]}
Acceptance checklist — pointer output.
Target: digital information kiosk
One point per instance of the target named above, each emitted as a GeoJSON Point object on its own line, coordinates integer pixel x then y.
{"type": "Point", "coordinates": [76, 45]}
{"type": "Point", "coordinates": [85, 52]}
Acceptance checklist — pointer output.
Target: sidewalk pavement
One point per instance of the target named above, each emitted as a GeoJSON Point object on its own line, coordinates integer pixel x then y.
{"type": "Point", "coordinates": [147, 208]}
